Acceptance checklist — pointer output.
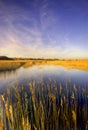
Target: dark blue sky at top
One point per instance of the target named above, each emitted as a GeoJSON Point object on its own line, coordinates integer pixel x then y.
{"type": "Point", "coordinates": [58, 28]}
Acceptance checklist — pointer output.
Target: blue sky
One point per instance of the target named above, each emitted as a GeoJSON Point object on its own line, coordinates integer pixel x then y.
{"type": "Point", "coordinates": [44, 28]}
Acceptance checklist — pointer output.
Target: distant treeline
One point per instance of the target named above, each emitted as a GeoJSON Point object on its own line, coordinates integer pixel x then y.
{"type": "Point", "coordinates": [51, 59]}
{"type": "Point", "coordinates": [5, 58]}
{"type": "Point", "coordinates": [33, 59]}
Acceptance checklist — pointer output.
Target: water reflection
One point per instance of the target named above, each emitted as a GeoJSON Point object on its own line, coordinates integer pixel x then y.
{"type": "Point", "coordinates": [6, 74]}
{"type": "Point", "coordinates": [58, 73]}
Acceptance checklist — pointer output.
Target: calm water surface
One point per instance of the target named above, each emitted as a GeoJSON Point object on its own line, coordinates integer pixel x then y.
{"type": "Point", "coordinates": [23, 76]}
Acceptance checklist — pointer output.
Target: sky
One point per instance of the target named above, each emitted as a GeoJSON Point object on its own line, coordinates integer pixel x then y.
{"type": "Point", "coordinates": [44, 28]}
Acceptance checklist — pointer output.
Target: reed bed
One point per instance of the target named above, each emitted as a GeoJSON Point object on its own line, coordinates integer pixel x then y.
{"type": "Point", "coordinates": [75, 64]}
{"type": "Point", "coordinates": [8, 66]}
{"type": "Point", "coordinates": [14, 64]}
{"type": "Point", "coordinates": [44, 105]}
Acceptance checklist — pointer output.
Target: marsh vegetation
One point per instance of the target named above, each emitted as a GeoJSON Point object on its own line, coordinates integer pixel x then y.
{"type": "Point", "coordinates": [14, 64]}
{"type": "Point", "coordinates": [44, 105]}
{"type": "Point", "coordinates": [9, 65]}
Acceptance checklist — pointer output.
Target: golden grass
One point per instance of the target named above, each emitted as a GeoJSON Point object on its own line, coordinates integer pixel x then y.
{"type": "Point", "coordinates": [43, 106]}
{"type": "Point", "coordinates": [13, 64]}
{"type": "Point", "coordinates": [9, 65]}
{"type": "Point", "coordinates": [75, 64]}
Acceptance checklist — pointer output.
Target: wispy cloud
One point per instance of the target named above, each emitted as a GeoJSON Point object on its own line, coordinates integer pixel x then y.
{"type": "Point", "coordinates": [15, 48]}
{"type": "Point", "coordinates": [37, 32]}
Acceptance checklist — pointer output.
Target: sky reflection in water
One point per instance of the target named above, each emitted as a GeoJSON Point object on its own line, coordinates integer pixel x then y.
{"type": "Point", "coordinates": [23, 76]}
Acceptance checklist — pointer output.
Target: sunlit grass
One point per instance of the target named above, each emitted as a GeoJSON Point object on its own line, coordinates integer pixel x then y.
{"type": "Point", "coordinates": [44, 105]}
{"type": "Point", "coordinates": [4, 66]}
{"type": "Point", "coordinates": [14, 64]}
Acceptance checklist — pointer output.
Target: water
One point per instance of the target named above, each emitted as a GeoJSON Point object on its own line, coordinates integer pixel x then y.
{"type": "Point", "coordinates": [44, 98]}
{"type": "Point", "coordinates": [23, 76]}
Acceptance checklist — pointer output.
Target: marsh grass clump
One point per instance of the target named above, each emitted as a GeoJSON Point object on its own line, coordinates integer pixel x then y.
{"type": "Point", "coordinates": [8, 66]}
{"type": "Point", "coordinates": [44, 105]}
